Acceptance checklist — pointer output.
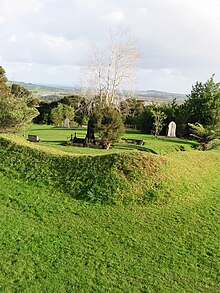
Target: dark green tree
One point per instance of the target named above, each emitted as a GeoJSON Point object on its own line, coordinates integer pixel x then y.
{"type": "Point", "coordinates": [110, 126]}
{"type": "Point", "coordinates": [146, 120]}
{"type": "Point", "coordinates": [14, 111]}
{"type": "Point", "coordinates": [20, 92]}
{"type": "Point", "coordinates": [107, 122]}
{"type": "Point", "coordinates": [4, 89]}
{"type": "Point", "coordinates": [81, 107]}
{"type": "Point", "coordinates": [203, 104]}
{"type": "Point", "coordinates": [131, 110]}
{"type": "Point", "coordinates": [44, 109]}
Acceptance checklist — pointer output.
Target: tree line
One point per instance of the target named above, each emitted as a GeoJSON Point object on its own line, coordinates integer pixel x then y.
{"type": "Point", "coordinates": [18, 108]}
{"type": "Point", "coordinates": [201, 106]}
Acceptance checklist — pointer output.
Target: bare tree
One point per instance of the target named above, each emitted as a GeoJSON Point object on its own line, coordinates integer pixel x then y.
{"type": "Point", "coordinates": [113, 67]}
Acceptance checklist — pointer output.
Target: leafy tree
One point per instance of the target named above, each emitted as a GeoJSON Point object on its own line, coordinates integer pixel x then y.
{"type": "Point", "coordinates": [159, 118]}
{"type": "Point", "coordinates": [59, 113]}
{"type": "Point", "coordinates": [203, 135]}
{"type": "Point", "coordinates": [14, 111]}
{"type": "Point", "coordinates": [81, 107]}
{"type": "Point", "coordinates": [20, 92]}
{"type": "Point", "coordinates": [203, 104]}
{"type": "Point", "coordinates": [83, 120]}
{"type": "Point", "coordinates": [131, 110]}
{"type": "Point", "coordinates": [4, 89]}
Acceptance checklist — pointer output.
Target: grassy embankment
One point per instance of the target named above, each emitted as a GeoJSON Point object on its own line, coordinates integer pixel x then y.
{"type": "Point", "coordinates": [51, 242]}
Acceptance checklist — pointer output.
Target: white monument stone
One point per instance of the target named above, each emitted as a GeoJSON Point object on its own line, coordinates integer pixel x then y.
{"type": "Point", "coordinates": [67, 123]}
{"type": "Point", "coordinates": [172, 129]}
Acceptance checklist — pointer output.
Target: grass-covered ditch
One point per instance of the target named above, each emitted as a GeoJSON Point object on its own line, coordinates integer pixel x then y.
{"type": "Point", "coordinates": [126, 177]}
{"type": "Point", "coordinates": [165, 238]}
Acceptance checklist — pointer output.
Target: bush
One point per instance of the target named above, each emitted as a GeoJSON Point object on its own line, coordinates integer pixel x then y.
{"type": "Point", "coordinates": [110, 126]}
{"type": "Point", "coordinates": [203, 135]}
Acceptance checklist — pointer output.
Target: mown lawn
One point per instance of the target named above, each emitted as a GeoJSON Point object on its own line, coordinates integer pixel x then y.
{"type": "Point", "coordinates": [55, 137]}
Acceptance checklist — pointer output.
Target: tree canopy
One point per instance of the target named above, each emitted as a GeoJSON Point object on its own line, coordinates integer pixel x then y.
{"type": "Point", "coordinates": [203, 104]}
{"type": "Point", "coordinates": [15, 112]}
{"type": "Point", "coordinates": [62, 111]}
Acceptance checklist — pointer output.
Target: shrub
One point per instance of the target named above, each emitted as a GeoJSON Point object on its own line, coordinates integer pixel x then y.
{"type": "Point", "coordinates": [203, 135]}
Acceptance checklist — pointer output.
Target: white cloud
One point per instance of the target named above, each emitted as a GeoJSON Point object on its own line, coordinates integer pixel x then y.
{"type": "Point", "coordinates": [116, 17]}
{"type": "Point", "coordinates": [88, 3]}
{"type": "Point", "coordinates": [57, 42]}
{"type": "Point", "coordinates": [12, 39]}
{"type": "Point", "coordinates": [42, 73]}
{"type": "Point", "coordinates": [20, 7]}
{"type": "Point", "coordinates": [179, 41]}
{"type": "Point", "coordinates": [141, 11]}
{"type": "Point", "coordinates": [2, 19]}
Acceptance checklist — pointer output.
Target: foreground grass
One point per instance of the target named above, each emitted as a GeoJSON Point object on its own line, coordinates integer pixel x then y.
{"type": "Point", "coordinates": [55, 137]}
{"type": "Point", "coordinates": [53, 243]}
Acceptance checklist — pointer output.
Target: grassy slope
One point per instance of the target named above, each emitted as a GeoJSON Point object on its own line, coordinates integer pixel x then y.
{"type": "Point", "coordinates": [52, 242]}
{"type": "Point", "coordinates": [125, 177]}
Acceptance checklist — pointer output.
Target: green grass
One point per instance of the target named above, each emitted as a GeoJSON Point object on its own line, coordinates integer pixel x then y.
{"type": "Point", "coordinates": [55, 137]}
{"type": "Point", "coordinates": [52, 242]}
{"type": "Point", "coordinates": [111, 178]}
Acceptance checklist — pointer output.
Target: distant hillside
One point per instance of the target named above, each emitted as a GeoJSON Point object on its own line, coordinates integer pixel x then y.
{"type": "Point", "coordinates": [47, 93]}
{"type": "Point", "coordinates": [159, 96]}
{"type": "Point", "coordinates": [44, 89]}
{"type": "Point", "coordinates": [50, 93]}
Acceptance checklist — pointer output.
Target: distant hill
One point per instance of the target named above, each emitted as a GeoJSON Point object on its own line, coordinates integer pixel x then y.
{"type": "Point", "coordinates": [47, 93]}
{"type": "Point", "coordinates": [159, 96]}
{"type": "Point", "coordinates": [53, 93]}
{"type": "Point", "coordinates": [44, 89]}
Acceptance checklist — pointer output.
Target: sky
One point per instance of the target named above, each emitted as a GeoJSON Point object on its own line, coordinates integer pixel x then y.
{"type": "Point", "coordinates": [49, 41]}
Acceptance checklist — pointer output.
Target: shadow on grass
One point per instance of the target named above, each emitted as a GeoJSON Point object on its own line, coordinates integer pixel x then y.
{"type": "Point", "coordinates": [51, 128]}
{"type": "Point", "coordinates": [178, 141]}
{"type": "Point", "coordinates": [133, 132]}
{"type": "Point", "coordinates": [61, 142]}
{"type": "Point", "coordinates": [135, 147]}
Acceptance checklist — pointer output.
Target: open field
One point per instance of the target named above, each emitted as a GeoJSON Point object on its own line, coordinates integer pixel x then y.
{"type": "Point", "coordinates": [50, 241]}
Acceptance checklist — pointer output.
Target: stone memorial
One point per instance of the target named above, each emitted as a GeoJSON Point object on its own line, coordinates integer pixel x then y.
{"type": "Point", "coordinates": [172, 129]}
{"type": "Point", "coordinates": [67, 123]}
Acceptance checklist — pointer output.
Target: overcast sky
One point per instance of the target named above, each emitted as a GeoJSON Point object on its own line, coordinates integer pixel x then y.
{"type": "Point", "coordinates": [47, 41]}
